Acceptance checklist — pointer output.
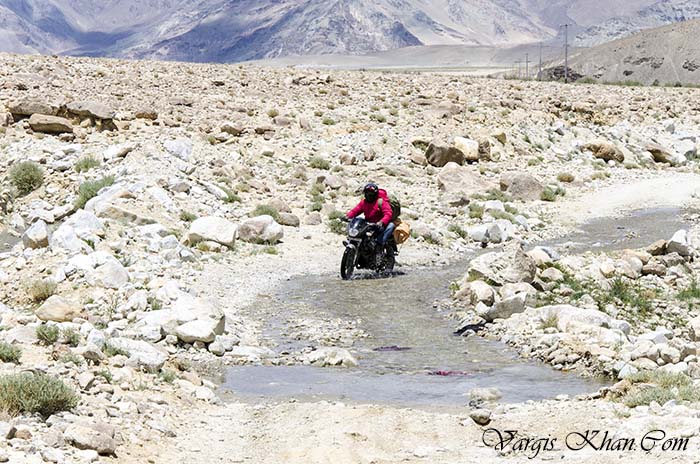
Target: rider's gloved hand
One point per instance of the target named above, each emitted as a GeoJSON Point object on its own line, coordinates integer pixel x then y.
{"type": "Point", "coordinates": [379, 225]}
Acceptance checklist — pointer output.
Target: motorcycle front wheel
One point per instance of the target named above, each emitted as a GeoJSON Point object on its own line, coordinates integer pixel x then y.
{"type": "Point", "coordinates": [347, 264]}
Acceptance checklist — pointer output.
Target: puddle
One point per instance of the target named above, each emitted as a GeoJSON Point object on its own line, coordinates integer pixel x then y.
{"type": "Point", "coordinates": [398, 312]}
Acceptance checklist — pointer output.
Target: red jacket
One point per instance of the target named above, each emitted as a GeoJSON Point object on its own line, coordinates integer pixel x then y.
{"type": "Point", "coordinates": [372, 211]}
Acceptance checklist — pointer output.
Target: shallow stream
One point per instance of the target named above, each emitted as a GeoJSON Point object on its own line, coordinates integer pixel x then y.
{"type": "Point", "coordinates": [399, 312]}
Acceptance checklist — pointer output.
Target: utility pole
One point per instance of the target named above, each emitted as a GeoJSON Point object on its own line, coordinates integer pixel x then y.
{"type": "Point", "coordinates": [527, 66]}
{"type": "Point", "coordinates": [539, 72]}
{"type": "Point", "coordinates": [566, 53]}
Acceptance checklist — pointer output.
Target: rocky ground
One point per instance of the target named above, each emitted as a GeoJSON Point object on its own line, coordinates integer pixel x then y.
{"type": "Point", "coordinates": [148, 206]}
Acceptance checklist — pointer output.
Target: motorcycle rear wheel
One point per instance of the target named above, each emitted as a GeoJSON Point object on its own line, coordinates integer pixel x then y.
{"type": "Point", "coordinates": [347, 264]}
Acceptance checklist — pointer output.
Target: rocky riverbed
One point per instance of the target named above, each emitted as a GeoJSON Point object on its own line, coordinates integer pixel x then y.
{"type": "Point", "coordinates": [150, 211]}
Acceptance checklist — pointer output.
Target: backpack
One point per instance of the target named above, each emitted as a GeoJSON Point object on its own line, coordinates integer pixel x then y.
{"type": "Point", "coordinates": [395, 207]}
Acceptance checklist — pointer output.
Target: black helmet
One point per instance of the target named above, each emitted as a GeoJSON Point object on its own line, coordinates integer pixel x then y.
{"type": "Point", "coordinates": [371, 192]}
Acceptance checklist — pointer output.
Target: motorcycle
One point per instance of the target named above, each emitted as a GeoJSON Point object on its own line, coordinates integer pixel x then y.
{"type": "Point", "coordinates": [363, 251]}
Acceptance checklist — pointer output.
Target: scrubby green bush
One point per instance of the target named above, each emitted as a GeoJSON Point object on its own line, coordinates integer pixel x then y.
{"type": "Point", "coordinates": [10, 353]}
{"type": "Point", "coordinates": [86, 163]}
{"type": "Point", "coordinates": [566, 177]}
{"type": "Point", "coordinates": [186, 216]}
{"type": "Point", "coordinates": [47, 334]}
{"type": "Point", "coordinates": [26, 176]}
{"type": "Point", "coordinates": [318, 162]}
{"type": "Point", "coordinates": [71, 336]}
{"type": "Point", "coordinates": [35, 393]}
{"type": "Point", "coordinates": [265, 210]}
{"type": "Point", "coordinates": [40, 290]}
{"type": "Point", "coordinates": [456, 229]}
{"type": "Point", "coordinates": [661, 387]}
{"type": "Point", "coordinates": [335, 222]}
{"type": "Point", "coordinates": [89, 190]}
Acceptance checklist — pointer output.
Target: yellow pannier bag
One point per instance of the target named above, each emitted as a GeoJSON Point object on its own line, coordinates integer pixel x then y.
{"type": "Point", "coordinates": [402, 231]}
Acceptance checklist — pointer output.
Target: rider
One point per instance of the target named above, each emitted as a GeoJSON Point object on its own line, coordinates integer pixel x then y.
{"type": "Point", "coordinates": [376, 212]}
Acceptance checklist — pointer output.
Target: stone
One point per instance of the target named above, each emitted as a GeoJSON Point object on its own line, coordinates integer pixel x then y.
{"type": "Point", "coordinates": [58, 309]}
{"type": "Point", "coordinates": [569, 318]}
{"type": "Point", "coordinates": [481, 416]}
{"type": "Point", "coordinates": [521, 186]}
{"type": "Point", "coordinates": [511, 266]}
{"type": "Point", "coordinates": [146, 113]}
{"type": "Point", "coordinates": [28, 107]}
{"type": "Point", "coordinates": [200, 330]}
{"type": "Point", "coordinates": [331, 356]}
{"type": "Point", "coordinates": [477, 291]}
{"type": "Point", "coordinates": [111, 274]}
{"type": "Point", "coordinates": [50, 124]}
{"type": "Point", "coordinates": [663, 155]}
{"type": "Point", "coordinates": [439, 154]}
{"type": "Point", "coordinates": [289, 219]}
{"type": "Point", "coordinates": [217, 348]}
{"type": "Point", "coordinates": [36, 236]}
{"type": "Point", "coordinates": [463, 180]}
{"type": "Point", "coordinates": [505, 308]}
{"type": "Point", "coordinates": [142, 353]}
{"type": "Point", "coordinates": [694, 329]}
{"type": "Point", "coordinates": [680, 244]}
{"type": "Point", "coordinates": [261, 229]}
{"type": "Point", "coordinates": [468, 147]}
{"type": "Point", "coordinates": [214, 229]}
{"type": "Point", "coordinates": [90, 109]}
{"type": "Point", "coordinates": [605, 150]}
{"type": "Point", "coordinates": [552, 274]}
{"type": "Point", "coordinates": [485, 394]}
{"type": "Point", "coordinates": [179, 148]}
{"type": "Point", "coordinates": [90, 438]}
{"type": "Point", "coordinates": [657, 248]}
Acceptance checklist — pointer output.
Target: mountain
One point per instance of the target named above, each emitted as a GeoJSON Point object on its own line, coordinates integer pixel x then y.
{"type": "Point", "coordinates": [237, 30]}
{"type": "Point", "coordinates": [664, 55]}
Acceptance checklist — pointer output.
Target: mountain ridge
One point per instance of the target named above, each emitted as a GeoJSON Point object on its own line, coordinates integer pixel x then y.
{"type": "Point", "coordinates": [230, 31]}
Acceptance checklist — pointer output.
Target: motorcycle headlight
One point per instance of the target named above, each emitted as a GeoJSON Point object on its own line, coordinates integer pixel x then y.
{"type": "Point", "coordinates": [353, 232]}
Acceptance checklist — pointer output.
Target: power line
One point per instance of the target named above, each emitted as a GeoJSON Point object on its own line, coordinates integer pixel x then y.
{"type": "Point", "coordinates": [566, 53]}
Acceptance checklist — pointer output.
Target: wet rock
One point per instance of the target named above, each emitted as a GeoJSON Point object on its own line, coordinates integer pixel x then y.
{"type": "Point", "coordinates": [37, 236]}
{"type": "Point", "coordinates": [485, 394]}
{"type": "Point", "coordinates": [50, 124]}
{"type": "Point", "coordinates": [521, 186]}
{"type": "Point", "coordinates": [211, 228]}
{"type": "Point", "coordinates": [261, 229]}
{"type": "Point", "coordinates": [331, 356]}
{"type": "Point", "coordinates": [58, 309]}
